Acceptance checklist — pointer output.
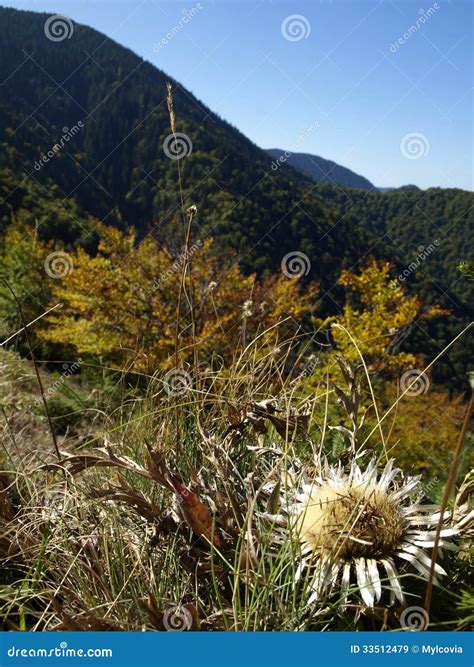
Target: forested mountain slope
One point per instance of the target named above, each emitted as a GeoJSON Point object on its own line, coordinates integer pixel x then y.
{"type": "Point", "coordinates": [113, 167]}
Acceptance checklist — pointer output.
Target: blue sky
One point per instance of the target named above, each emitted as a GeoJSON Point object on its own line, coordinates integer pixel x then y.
{"type": "Point", "coordinates": [341, 81]}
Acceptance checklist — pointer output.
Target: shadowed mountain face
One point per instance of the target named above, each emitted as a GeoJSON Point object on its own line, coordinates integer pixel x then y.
{"type": "Point", "coordinates": [117, 166]}
{"type": "Point", "coordinates": [319, 169]}
{"type": "Point", "coordinates": [85, 136]}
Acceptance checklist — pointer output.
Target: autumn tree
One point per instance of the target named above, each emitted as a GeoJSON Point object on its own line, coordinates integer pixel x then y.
{"type": "Point", "coordinates": [376, 317]}
{"type": "Point", "coordinates": [122, 304]}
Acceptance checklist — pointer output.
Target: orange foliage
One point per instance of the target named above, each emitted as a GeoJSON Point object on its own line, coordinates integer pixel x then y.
{"type": "Point", "coordinates": [121, 305]}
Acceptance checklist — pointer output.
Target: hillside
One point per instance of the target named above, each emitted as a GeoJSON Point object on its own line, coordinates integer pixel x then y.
{"type": "Point", "coordinates": [321, 170]}
{"type": "Point", "coordinates": [113, 168]}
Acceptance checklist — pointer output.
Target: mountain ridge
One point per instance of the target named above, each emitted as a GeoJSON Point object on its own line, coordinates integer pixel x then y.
{"type": "Point", "coordinates": [115, 170]}
{"type": "Point", "coordinates": [319, 169]}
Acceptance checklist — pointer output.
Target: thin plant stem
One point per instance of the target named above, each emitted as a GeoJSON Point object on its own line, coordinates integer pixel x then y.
{"type": "Point", "coordinates": [38, 376]}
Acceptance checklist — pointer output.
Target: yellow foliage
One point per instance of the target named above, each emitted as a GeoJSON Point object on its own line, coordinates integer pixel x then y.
{"type": "Point", "coordinates": [383, 313]}
{"type": "Point", "coordinates": [122, 304]}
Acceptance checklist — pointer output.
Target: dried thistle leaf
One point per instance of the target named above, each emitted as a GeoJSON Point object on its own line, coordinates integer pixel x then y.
{"type": "Point", "coordinates": [234, 416]}
{"type": "Point", "coordinates": [286, 426]}
{"type": "Point", "coordinates": [194, 512]}
{"type": "Point", "coordinates": [273, 501]}
{"type": "Point", "coordinates": [194, 614]}
{"type": "Point", "coordinates": [132, 498]}
{"type": "Point", "coordinates": [77, 463]}
{"type": "Point", "coordinates": [156, 466]}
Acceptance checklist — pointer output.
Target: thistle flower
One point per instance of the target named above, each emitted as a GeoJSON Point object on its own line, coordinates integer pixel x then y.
{"type": "Point", "coordinates": [362, 527]}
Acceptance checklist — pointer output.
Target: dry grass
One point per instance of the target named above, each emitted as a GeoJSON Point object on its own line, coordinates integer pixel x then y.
{"type": "Point", "coordinates": [130, 526]}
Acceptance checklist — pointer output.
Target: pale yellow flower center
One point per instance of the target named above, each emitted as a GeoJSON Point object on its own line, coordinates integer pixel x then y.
{"type": "Point", "coordinates": [350, 522]}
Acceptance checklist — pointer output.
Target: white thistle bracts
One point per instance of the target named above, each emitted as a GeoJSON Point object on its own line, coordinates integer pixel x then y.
{"type": "Point", "coordinates": [359, 531]}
